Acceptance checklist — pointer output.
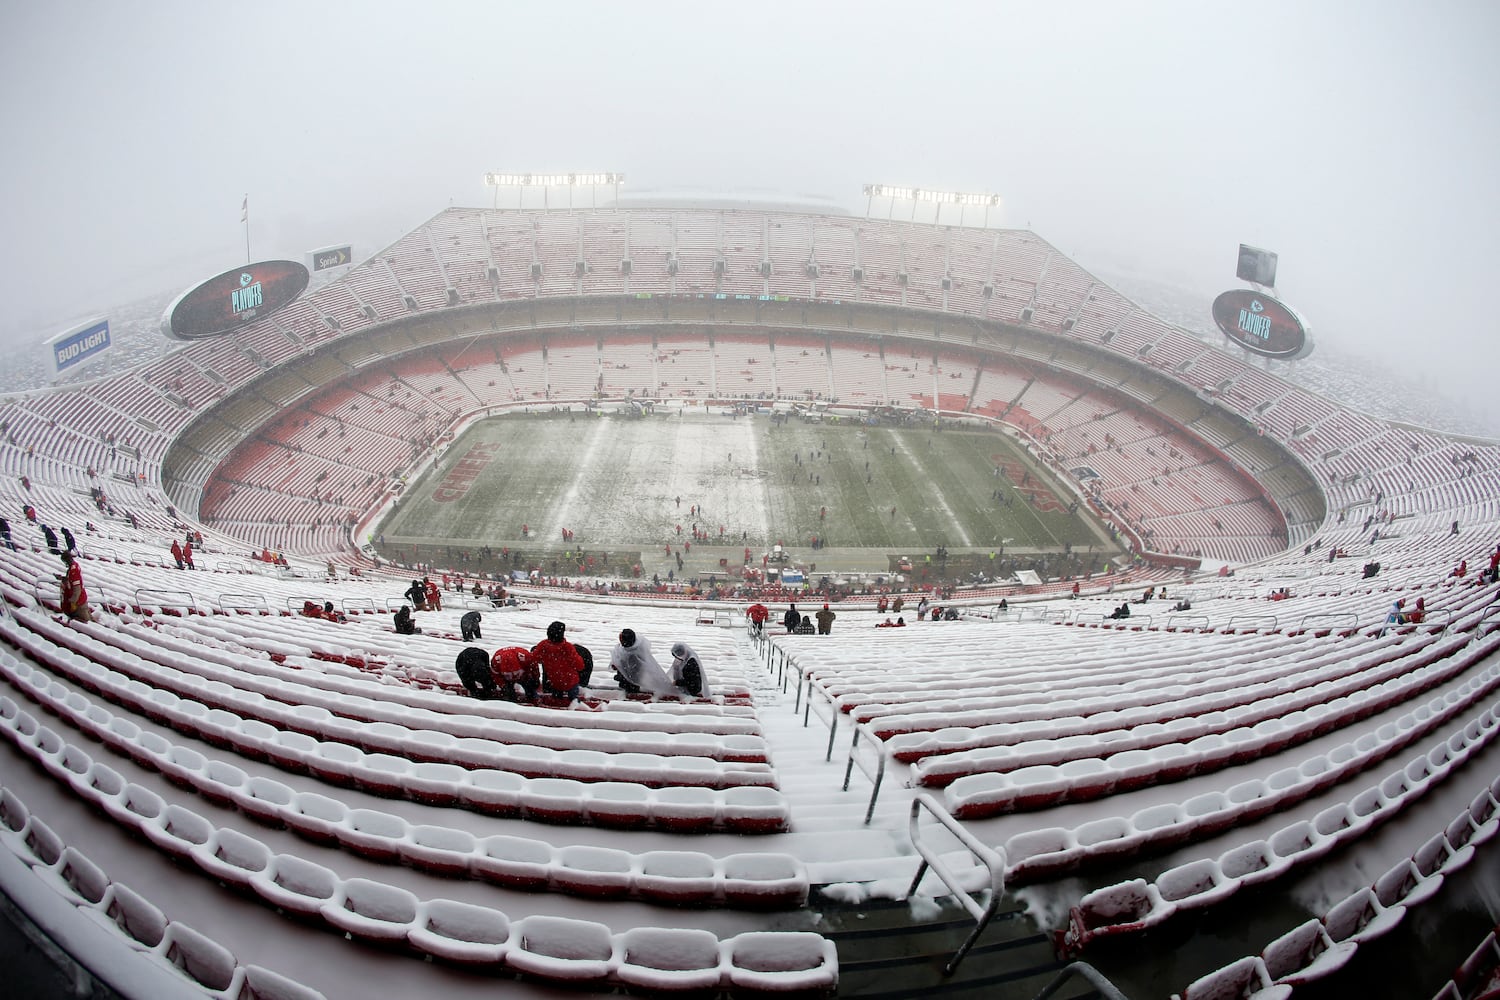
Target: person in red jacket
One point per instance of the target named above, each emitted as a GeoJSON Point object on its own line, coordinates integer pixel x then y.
{"type": "Point", "coordinates": [73, 599]}
{"type": "Point", "coordinates": [177, 553]}
{"type": "Point", "coordinates": [562, 667]}
{"type": "Point", "coordinates": [434, 596]}
{"type": "Point", "coordinates": [510, 667]}
{"type": "Point", "coordinates": [758, 613]}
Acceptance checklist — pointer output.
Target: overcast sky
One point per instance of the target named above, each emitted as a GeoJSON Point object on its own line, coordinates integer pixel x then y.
{"type": "Point", "coordinates": [1357, 139]}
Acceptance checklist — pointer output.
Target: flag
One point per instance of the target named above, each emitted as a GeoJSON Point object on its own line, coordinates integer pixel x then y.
{"type": "Point", "coordinates": [245, 209]}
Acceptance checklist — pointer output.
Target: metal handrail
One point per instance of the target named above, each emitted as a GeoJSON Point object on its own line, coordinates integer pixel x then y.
{"type": "Point", "coordinates": [187, 601]}
{"type": "Point", "coordinates": [1350, 619]}
{"type": "Point", "coordinates": [1087, 972]}
{"type": "Point", "coordinates": [252, 602]}
{"type": "Point", "coordinates": [807, 710]}
{"type": "Point", "coordinates": [1275, 624]}
{"type": "Point", "coordinates": [993, 859]}
{"type": "Point", "coordinates": [876, 779]}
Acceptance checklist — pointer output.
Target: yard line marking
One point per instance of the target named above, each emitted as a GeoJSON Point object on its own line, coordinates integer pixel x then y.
{"type": "Point", "coordinates": [582, 467]}
{"type": "Point", "coordinates": [963, 536]}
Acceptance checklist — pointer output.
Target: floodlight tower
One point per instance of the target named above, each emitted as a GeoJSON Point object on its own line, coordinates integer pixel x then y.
{"type": "Point", "coordinates": [962, 199]}
{"type": "Point", "coordinates": [548, 181]}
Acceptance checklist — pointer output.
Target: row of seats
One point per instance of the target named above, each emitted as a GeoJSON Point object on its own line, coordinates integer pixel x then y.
{"type": "Point", "coordinates": [1174, 752]}
{"type": "Point", "coordinates": [248, 715]}
{"type": "Point", "coordinates": [677, 877]}
{"type": "Point", "coordinates": [1136, 905]}
{"type": "Point", "coordinates": [1476, 977]}
{"type": "Point", "coordinates": [1318, 948]}
{"type": "Point", "coordinates": [725, 732]}
{"type": "Point", "coordinates": [754, 879]}
{"type": "Point", "coordinates": [425, 734]}
{"type": "Point", "coordinates": [541, 946]}
{"type": "Point", "coordinates": [206, 967]}
{"type": "Point", "coordinates": [1231, 693]}
{"type": "Point", "coordinates": [743, 809]}
{"type": "Point", "coordinates": [1048, 852]}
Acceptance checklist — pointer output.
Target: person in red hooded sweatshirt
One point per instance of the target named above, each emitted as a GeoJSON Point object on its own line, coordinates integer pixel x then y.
{"type": "Point", "coordinates": [562, 667]}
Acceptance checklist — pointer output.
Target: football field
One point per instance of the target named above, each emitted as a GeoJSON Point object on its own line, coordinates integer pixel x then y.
{"type": "Point", "coordinates": [619, 482]}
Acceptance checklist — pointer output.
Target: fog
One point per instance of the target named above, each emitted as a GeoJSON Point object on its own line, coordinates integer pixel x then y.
{"type": "Point", "coordinates": [1356, 139]}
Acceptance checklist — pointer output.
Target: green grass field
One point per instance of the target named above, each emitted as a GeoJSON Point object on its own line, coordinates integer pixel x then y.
{"type": "Point", "coordinates": [618, 482]}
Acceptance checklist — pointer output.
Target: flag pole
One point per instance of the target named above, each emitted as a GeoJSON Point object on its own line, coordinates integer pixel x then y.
{"type": "Point", "coordinates": [245, 218]}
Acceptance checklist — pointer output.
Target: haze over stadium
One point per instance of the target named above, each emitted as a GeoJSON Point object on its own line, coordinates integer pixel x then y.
{"type": "Point", "coordinates": [1353, 138]}
{"type": "Point", "coordinates": [1213, 707]}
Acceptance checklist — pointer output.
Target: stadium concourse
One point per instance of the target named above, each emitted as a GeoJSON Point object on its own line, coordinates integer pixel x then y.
{"type": "Point", "coordinates": [1278, 789]}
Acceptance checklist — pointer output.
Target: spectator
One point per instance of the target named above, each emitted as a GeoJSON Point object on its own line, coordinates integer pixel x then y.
{"type": "Point", "coordinates": [560, 663]}
{"type": "Point", "coordinates": [587, 656]}
{"type": "Point", "coordinates": [791, 619]}
{"type": "Point", "coordinates": [69, 544]}
{"type": "Point", "coordinates": [1418, 614]}
{"type": "Point", "coordinates": [416, 594]}
{"type": "Point", "coordinates": [310, 609]}
{"type": "Point", "coordinates": [187, 555]}
{"type": "Point", "coordinates": [897, 604]}
{"type": "Point", "coordinates": [687, 671]}
{"type": "Point", "coordinates": [1462, 569]}
{"type": "Point", "coordinates": [469, 626]}
{"type": "Point", "coordinates": [511, 668]}
{"type": "Point", "coordinates": [434, 596]}
{"type": "Point", "coordinates": [51, 538]}
{"type": "Point", "coordinates": [758, 613]}
{"type": "Point", "coordinates": [5, 534]}
{"type": "Point", "coordinates": [404, 623]}
{"type": "Point", "coordinates": [825, 620]}
{"type": "Point", "coordinates": [474, 673]}
{"type": "Point", "coordinates": [922, 609]}
{"type": "Point", "coordinates": [635, 668]}
{"type": "Point", "coordinates": [1123, 611]}
{"type": "Point", "coordinates": [73, 598]}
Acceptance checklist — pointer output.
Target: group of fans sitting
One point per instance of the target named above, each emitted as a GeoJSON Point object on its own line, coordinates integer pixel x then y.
{"type": "Point", "coordinates": [561, 669]}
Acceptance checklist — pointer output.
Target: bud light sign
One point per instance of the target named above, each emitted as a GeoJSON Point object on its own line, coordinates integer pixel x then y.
{"type": "Point", "coordinates": [1261, 324]}
{"type": "Point", "coordinates": [80, 344]}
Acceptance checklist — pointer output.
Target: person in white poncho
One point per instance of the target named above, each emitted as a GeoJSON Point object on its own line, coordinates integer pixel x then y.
{"type": "Point", "coordinates": [636, 668]}
{"type": "Point", "coordinates": [687, 671]}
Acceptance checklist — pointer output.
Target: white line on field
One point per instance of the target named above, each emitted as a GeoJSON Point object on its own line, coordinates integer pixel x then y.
{"type": "Point", "coordinates": [583, 467]}
{"type": "Point", "coordinates": [963, 536]}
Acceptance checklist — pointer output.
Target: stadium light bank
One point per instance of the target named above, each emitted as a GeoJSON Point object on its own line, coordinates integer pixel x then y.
{"type": "Point", "coordinates": [894, 193]}
{"type": "Point", "coordinates": [548, 181]}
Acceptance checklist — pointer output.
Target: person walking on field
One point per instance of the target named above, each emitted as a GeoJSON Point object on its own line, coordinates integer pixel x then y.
{"type": "Point", "coordinates": [825, 620]}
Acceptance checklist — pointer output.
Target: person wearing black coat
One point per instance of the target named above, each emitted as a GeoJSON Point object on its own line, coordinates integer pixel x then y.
{"type": "Point", "coordinates": [404, 623]}
{"type": "Point", "coordinates": [791, 619]}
